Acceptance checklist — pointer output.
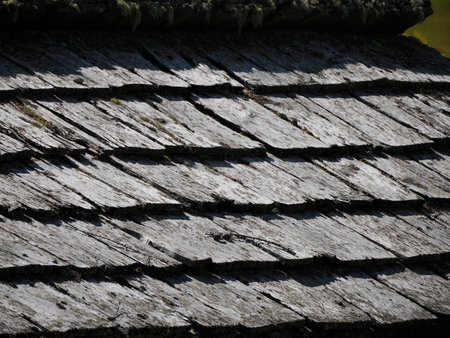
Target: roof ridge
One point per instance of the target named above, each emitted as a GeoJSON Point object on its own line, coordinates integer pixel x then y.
{"type": "Point", "coordinates": [390, 16]}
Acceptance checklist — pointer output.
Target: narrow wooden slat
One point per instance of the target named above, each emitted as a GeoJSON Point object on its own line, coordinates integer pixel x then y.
{"type": "Point", "coordinates": [12, 324]}
{"type": "Point", "coordinates": [238, 303]}
{"type": "Point", "coordinates": [193, 181]}
{"type": "Point", "coordinates": [184, 62]}
{"type": "Point", "coordinates": [412, 175]}
{"type": "Point", "coordinates": [382, 304]}
{"type": "Point", "coordinates": [126, 307]}
{"type": "Point", "coordinates": [64, 128]}
{"type": "Point", "coordinates": [15, 77]}
{"type": "Point", "coordinates": [367, 178]}
{"type": "Point", "coordinates": [51, 309]}
{"type": "Point", "coordinates": [69, 246]}
{"type": "Point", "coordinates": [387, 105]}
{"type": "Point", "coordinates": [95, 191]}
{"type": "Point", "coordinates": [373, 123]}
{"type": "Point", "coordinates": [102, 126]}
{"type": "Point", "coordinates": [318, 183]}
{"type": "Point", "coordinates": [261, 123]}
{"type": "Point", "coordinates": [141, 117]}
{"type": "Point", "coordinates": [301, 238]}
{"type": "Point", "coordinates": [10, 147]}
{"type": "Point", "coordinates": [194, 240]}
{"type": "Point", "coordinates": [438, 161]}
{"type": "Point", "coordinates": [61, 196]}
{"type": "Point", "coordinates": [15, 196]}
{"type": "Point", "coordinates": [315, 120]}
{"type": "Point", "coordinates": [23, 126]}
{"type": "Point", "coordinates": [392, 233]}
{"type": "Point", "coordinates": [204, 127]}
{"type": "Point", "coordinates": [308, 296]}
{"type": "Point", "coordinates": [126, 183]}
{"type": "Point", "coordinates": [421, 285]}
{"type": "Point", "coordinates": [432, 224]}
{"type": "Point", "coordinates": [246, 71]}
{"type": "Point", "coordinates": [424, 112]}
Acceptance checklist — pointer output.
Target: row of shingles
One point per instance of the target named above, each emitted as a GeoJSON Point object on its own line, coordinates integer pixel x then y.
{"type": "Point", "coordinates": [325, 123]}
{"type": "Point", "coordinates": [292, 60]}
{"type": "Point", "coordinates": [84, 183]}
{"type": "Point", "coordinates": [131, 125]}
{"type": "Point", "coordinates": [348, 238]}
{"type": "Point", "coordinates": [82, 61]}
{"type": "Point", "coordinates": [247, 302]}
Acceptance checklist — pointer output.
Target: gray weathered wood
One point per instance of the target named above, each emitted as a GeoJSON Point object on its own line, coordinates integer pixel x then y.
{"type": "Point", "coordinates": [15, 196]}
{"type": "Point", "coordinates": [121, 56]}
{"type": "Point", "coordinates": [184, 62]}
{"type": "Point", "coordinates": [261, 123]}
{"type": "Point", "coordinates": [382, 304]}
{"type": "Point", "coordinates": [49, 308]}
{"type": "Point", "coordinates": [10, 147]}
{"type": "Point", "coordinates": [373, 123]}
{"type": "Point", "coordinates": [102, 126]}
{"type": "Point", "coordinates": [68, 245]}
{"type": "Point", "coordinates": [412, 175]}
{"type": "Point", "coordinates": [66, 129]}
{"type": "Point", "coordinates": [245, 70]}
{"type": "Point", "coordinates": [140, 116]}
{"type": "Point", "coordinates": [95, 191]}
{"type": "Point", "coordinates": [238, 303]}
{"type": "Point", "coordinates": [307, 296]}
{"type": "Point", "coordinates": [122, 242]}
{"type": "Point", "coordinates": [419, 284]}
{"type": "Point", "coordinates": [315, 120]}
{"type": "Point", "coordinates": [17, 252]}
{"type": "Point", "coordinates": [127, 184]}
{"type": "Point", "coordinates": [20, 124]}
{"type": "Point", "coordinates": [317, 183]}
{"type": "Point", "coordinates": [435, 100]}
{"type": "Point", "coordinates": [204, 128]}
{"type": "Point", "coordinates": [13, 324]}
{"type": "Point", "coordinates": [61, 196]}
{"type": "Point", "coordinates": [126, 307]}
{"type": "Point", "coordinates": [438, 161]}
{"type": "Point", "coordinates": [301, 238]}
{"type": "Point", "coordinates": [387, 104]}
{"type": "Point", "coordinates": [392, 233]}
{"type": "Point", "coordinates": [194, 240]}
{"type": "Point", "coordinates": [429, 223]}
{"type": "Point", "coordinates": [367, 178]}
{"type": "Point", "coordinates": [192, 181]}
{"type": "Point", "coordinates": [15, 77]}
{"type": "Point", "coordinates": [425, 112]}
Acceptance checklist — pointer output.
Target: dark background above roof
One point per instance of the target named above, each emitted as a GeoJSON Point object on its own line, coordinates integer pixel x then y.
{"type": "Point", "coordinates": [389, 16]}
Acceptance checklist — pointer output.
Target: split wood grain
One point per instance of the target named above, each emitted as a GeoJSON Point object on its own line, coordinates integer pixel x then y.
{"type": "Point", "coordinates": [378, 126]}
{"type": "Point", "coordinates": [315, 120]}
{"type": "Point", "coordinates": [387, 105]}
{"type": "Point", "coordinates": [412, 175]}
{"type": "Point", "coordinates": [267, 127]}
{"type": "Point", "coordinates": [392, 233]}
{"type": "Point", "coordinates": [205, 128]}
{"type": "Point", "coordinates": [194, 240]}
{"type": "Point", "coordinates": [421, 285]}
{"type": "Point", "coordinates": [307, 295]}
{"type": "Point", "coordinates": [382, 304]}
{"type": "Point", "coordinates": [366, 178]}
{"type": "Point", "coordinates": [102, 126]}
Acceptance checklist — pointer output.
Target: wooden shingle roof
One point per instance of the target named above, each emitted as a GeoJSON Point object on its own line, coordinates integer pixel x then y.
{"type": "Point", "coordinates": [276, 182]}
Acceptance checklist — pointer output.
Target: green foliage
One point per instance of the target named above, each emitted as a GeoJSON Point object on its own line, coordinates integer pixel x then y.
{"type": "Point", "coordinates": [435, 31]}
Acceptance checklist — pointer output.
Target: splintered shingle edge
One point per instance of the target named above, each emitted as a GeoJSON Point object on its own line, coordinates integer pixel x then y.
{"type": "Point", "coordinates": [391, 16]}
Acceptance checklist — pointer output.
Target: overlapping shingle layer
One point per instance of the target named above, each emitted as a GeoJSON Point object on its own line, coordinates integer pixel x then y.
{"type": "Point", "coordinates": [189, 183]}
